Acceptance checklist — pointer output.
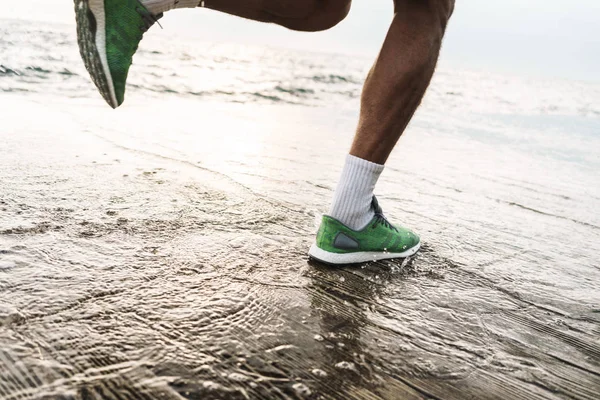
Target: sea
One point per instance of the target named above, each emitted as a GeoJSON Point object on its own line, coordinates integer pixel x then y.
{"type": "Point", "coordinates": [159, 251]}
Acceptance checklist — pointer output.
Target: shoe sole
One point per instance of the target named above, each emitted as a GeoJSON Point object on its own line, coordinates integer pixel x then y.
{"type": "Point", "coordinates": [91, 36]}
{"type": "Point", "coordinates": [355, 258]}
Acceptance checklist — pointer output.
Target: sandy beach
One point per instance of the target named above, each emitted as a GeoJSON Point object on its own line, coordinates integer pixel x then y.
{"type": "Point", "coordinates": [131, 269]}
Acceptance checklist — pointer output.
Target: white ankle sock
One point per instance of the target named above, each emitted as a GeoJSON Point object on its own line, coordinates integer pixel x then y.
{"type": "Point", "coordinates": [159, 6]}
{"type": "Point", "coordinates": [352, 199]}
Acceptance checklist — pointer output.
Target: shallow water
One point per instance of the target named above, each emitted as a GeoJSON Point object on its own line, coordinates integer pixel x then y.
{"type": "Point", "coordinates": [159, 251]}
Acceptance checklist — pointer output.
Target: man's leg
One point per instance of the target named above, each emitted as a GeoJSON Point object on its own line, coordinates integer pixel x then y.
{"type": "Point", "coordinates": [401, 74]}
{"type": "Point", "coordinates": [299, 15]}
{"type": "Point", "coordinates": [391, 94]}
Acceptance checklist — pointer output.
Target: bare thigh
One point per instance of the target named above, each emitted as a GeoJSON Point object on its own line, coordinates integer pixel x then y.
{"type": "Point", "coordinates": [301, 15]}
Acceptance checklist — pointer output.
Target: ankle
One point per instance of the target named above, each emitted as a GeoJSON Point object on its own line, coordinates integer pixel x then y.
{"type": "Point", "coordinates": [352, 201]}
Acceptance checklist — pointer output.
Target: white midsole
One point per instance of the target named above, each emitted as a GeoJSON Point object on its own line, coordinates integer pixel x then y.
{"type": "Point", "coordinates": [97, 8]}
{"type": "Point", "coordinates": [358, 257]}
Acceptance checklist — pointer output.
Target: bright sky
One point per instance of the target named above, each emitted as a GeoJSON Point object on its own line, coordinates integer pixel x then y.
{"type": "Point", "coordinates": [534, 37]}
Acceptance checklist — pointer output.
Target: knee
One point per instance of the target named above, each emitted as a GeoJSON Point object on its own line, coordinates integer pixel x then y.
{"type": "Point", "coordinates": [329, 13]}
{"type": "Point", "coordinates": [439, 11]}
{"type": "Point", "coordinates": [442, 10]}
{"type": "Point", "coordinates": [322, 15]}
{"type": "Point", "coordinates": [446, 10]}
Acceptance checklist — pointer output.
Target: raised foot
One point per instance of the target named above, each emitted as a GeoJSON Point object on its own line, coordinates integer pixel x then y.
{"type": "Point", "coordinates": [108, 34]}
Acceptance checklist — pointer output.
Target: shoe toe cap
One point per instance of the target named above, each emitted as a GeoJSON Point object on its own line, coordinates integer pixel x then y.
{"type": "Point", "coordinates": [415, 239]}
{"type": "Point", "coordinates": [409, 239]}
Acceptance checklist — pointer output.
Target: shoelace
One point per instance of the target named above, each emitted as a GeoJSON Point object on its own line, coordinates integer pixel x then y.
{"type": "Point", "coordinates": [379, 217]}
{"type": "Point", "coordinates": [147, 19]}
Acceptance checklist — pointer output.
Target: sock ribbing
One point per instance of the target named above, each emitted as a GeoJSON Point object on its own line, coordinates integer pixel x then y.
{"type": "Point", "coordinates": [160, 6]}
{"type": "Point", "coordinates": [354, 193]}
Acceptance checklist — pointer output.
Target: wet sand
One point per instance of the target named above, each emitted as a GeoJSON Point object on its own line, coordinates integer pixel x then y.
{"type": "Point", "coordinates": [138, 261]}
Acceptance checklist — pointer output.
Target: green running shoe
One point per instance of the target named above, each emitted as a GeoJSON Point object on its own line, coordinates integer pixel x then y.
{"type": "Point", "coordinates": [108, 33]}
{"type": "Point", "coordinates": [379, 240]}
